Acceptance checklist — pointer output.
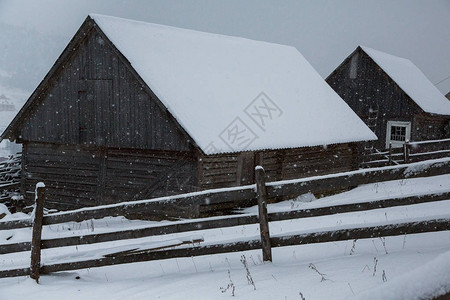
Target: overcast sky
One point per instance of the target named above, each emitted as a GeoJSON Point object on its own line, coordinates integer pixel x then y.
{"type": "Point", "coordinates": [324, 31]}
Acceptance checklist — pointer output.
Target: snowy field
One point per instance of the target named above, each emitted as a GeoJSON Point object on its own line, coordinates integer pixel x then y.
{"type": "Point", "coordinates": [403, 267]}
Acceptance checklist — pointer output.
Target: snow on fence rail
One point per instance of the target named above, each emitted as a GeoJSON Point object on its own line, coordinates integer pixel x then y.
{"type": "Point", "coordinates": [410, 152]}
{"type": "Point", "coordinates": [238, 246]}
{"type": "Point", "coordinates": [222, 222]}
{"type": "Point", "coordinates": [263, 193]}
{"type": "Point", "coordinates": [193, 204]}
{"type": "Point", "coordinates": [430, 142]}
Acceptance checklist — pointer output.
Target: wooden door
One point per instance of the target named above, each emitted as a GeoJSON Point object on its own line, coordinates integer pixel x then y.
{"type": "Point", "coordinates": [94, 112]}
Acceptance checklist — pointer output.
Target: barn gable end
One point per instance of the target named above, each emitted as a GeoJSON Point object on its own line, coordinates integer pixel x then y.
{"type": "Point", "coordinates": [381, 103]}
{"type": "Point", "coordinates": [372, 95]}
{"type": "Point", "coordinates": [95, 134]}
{"type": "Point", "coordinates": [93, 98]}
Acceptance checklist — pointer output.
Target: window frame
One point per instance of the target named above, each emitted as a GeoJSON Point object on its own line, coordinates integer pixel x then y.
{"type": "Point", "coordinates": [395, 143]}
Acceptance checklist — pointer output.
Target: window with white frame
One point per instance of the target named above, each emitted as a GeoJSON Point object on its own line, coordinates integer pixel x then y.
{"type": "Point", "coordinates": [397, 133]}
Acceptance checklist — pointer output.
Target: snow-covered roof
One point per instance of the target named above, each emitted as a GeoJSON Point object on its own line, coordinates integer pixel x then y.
{"type": "Point", "coordinates": [412, 81]}
{"type": "Point", "coordinates": [233, 94]}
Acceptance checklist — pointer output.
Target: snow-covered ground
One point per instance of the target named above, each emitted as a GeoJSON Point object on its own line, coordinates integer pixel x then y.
{"type": "Point", "coordinates": [403, 267]}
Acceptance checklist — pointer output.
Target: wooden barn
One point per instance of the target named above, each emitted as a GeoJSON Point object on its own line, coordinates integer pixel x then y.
{"type": "Point", "coordinates": [133, 110]}
{"type": "Point", "coordinates": [392, 96]}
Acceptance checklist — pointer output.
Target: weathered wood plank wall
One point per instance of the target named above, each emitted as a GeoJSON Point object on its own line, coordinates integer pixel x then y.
{"type": "Point", "coordinates": [96, 100]}
{"type": "Point", "coordinates": [366, 87]}
{"type": "Point", "coordinates": [225, 170]}
{"type": "Point", "coordinates": [81, 176]}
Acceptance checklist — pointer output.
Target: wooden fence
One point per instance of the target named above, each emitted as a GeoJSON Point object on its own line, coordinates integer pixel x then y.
{"type": "Point", "coordinates": [410, 152]}
{"type": "Point", "coordinates": [10, 178]}
{"type": "Point", "coordinates": [261, 191]}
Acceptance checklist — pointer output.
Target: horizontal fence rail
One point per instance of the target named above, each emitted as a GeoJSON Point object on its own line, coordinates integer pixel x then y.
{"type": "Point", "coordinates": [254, 244]}
{"type": "Point", "coordinates": [355, 178]}
{"type": "Point", "coordinates": [276, 241]}
{"type": "Point", "coordinates": [410, 152]}
{"type": "Point", "coordinates": [242, 194]}
{"type": "Point", "coordinates": [280, 241]}
{"type": "Point", "coordinates": [230, 221]}
{"type": "Point", "coordinates": [261, 190]}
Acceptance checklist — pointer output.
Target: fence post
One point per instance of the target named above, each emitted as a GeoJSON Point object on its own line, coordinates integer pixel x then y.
{"type": "Point", "coordinates": [390, 154]}
{"type": "Point", "coordinates": [406, 152]}
{"type": "Point", "coordinates": [37, 215]}
{"type": "Point", "coordinates": [260, 177]}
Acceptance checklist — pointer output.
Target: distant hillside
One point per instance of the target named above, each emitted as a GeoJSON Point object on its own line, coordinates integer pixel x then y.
{"type": "Point", "coordinates": [26, 56]}
{"type": "Point", "coordinates": [14, 96]}
{"type": "Point", "coordinates": [17, 97]}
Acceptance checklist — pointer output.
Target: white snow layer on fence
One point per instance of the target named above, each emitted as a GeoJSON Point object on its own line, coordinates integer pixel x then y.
{"type": "Point", "coordinates": [217, 85]}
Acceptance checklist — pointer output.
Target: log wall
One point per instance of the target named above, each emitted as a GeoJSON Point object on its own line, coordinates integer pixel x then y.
{"type": "Point", "coordinates": [228, 170]}
{"type": "Point", "coordinates": [84, 176]}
